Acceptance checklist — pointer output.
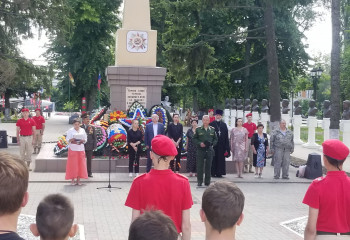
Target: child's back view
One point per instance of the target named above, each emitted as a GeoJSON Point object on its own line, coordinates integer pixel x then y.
{"type": "Point", "coordinates": [54, 218]}
{"type": "Point", "coordinates": [222, 206]}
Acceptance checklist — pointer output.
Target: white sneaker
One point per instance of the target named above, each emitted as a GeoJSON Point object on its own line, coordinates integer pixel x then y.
{"type": "Point", "coordinates": [256, 175]}
{"type": "Point", "coordinates": [130, 174]}
{"type": "Point", "coordinates": [137, 174]}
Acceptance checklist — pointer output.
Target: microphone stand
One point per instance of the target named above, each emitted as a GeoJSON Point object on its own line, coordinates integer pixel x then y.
{"type": "Point", "coordinates": [109, 187]}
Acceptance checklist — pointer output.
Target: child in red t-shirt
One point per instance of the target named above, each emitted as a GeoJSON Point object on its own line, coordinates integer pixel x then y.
{"type": "Point", "coordinates": [162, 189]}
{"type": "Point", "coordinates": [328, 197]}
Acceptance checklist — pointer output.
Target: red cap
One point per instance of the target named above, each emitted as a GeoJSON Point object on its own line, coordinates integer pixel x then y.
{"type": "Point", "coordinates": [25, 110]}
{"type": "Point", "coordinates": [163, 146]}
{"type": "Point", "coordinates": [249, 115]}
{"type": "Point", "coordinates": [335, 149]}
{"type": "Point", "coordinates": [38, 109]}
{"type": "Point", "coordinates": [210, 110]}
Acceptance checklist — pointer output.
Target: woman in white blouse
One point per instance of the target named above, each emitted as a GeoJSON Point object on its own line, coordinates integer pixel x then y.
{"type": "Point", "coordinates": [76, 162]}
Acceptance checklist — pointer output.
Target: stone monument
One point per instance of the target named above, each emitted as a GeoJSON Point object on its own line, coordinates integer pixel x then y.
{"type": "Point", "coordinates": [255, 111]}
{"type": "Point", "coordinates": [264, 113]}
{"type": "Point", "coordinates": [135, 76]}
{"type": "Point", "coordinates": [264, 106]}
{"type": "Point", "coordinates": [326, 121]}
{"type": "Point", "coordinates": [312, 124]}
{"type": "Point", "coordinates": [297, 107]}
{"type": "Point", "coordinates": [228, 103]}
{"type": "Point", "coordinates": [297, 121]}
{"type": "Point", "coordinates": [239, 108]}
{"type": "Point", "coordinates": [166, 104]}
{"type": "Point", "coordinates": [285, 111]}
{"type": "Point", "coordinates": [233, 113]}
{"type": "Point", "coordinates": [312, 108]}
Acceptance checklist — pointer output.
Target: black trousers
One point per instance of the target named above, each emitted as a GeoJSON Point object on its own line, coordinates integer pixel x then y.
{"type": "Point", "coordinates": [176, 160]}
{"type": "Point", "coordinates": [134, 160]}
{"type": "Point", "coordinates": [88, 154]}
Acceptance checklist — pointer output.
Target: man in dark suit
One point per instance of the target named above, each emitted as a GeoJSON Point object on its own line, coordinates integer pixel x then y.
{"type": "Point", "coordinates": [91, 142]}
{"type": "Point", "coordinates": [152, 129]}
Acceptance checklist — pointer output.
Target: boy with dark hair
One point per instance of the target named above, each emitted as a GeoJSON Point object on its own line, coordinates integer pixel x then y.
{"type": "Point", "coordinates": [54, 219]}
{"type": "Point", "coordinates": [328, 197]}
{"type": "Point", "coordinates": [13, 194]}
{"type": "Point", "coordinates": [222, 207]}
{"type": "Point", "coordinates": [153, 225]}
{"type": "Point", "coordinates": [163, 189]}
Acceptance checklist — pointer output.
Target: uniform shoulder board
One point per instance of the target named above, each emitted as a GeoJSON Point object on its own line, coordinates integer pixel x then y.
{"type": "Point", "coordinates": [211, 127]}
{"type": "Point", "coordinates": [181, 176]}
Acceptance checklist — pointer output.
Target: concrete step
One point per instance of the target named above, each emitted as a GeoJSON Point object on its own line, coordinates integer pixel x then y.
{"type": "Point", "coordinates": [46, 161]}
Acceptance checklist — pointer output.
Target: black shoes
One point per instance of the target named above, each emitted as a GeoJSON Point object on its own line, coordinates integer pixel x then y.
{"type": "Point", "coordinates": [90, 175]}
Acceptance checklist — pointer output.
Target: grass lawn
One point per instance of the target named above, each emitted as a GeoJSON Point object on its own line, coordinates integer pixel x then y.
{"type": "Point", "coordinates": [319, 135]}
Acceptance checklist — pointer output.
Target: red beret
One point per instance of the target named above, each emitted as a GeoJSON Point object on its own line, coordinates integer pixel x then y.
{"type": "Point", "coordinates": [38, 109]}
{"type": "Point", "coordinates": [249, 115]}
{"type": "Point", "coordinates": [335, 149]}
{"type": "Point", "coordinates": [25, 110]}
{"type": "Point", "coordinates": [211, 110]}
{"type": "Point", "coordinates": [163, 146]}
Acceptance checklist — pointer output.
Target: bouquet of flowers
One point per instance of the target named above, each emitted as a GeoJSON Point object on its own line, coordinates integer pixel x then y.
{"type": "Point", "coordinates": [114, 116]}
{"type": "Point", "coordinates": [61, 146]}
{"type": "Point", "coordinates": [104, 124]}
{"type": "Point", "coordinates": [99, 115]}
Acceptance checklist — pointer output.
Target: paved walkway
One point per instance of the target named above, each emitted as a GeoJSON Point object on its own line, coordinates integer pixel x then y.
{"type": "Point", "coordinates": [104, 216]}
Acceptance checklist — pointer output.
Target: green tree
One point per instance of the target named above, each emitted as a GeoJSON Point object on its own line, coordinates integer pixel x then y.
{"type": "Point", "coordinates": [84, 45]}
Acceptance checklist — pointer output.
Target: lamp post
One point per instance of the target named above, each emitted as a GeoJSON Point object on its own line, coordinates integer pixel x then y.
{"type": "Point", "coordinates": [237, 82]}
{"type": "Point", "coordinates": [315, 75]}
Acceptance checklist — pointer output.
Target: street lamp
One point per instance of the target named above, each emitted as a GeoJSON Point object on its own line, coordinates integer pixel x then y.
{"type": "Point", "coordinates": [237, 81]}
{"type": "Point", "coordinates": [315, 75]}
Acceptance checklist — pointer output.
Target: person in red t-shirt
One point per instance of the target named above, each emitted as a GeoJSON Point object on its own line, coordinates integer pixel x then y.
{"type": "Point", "coordinates": [39, 132]}
{"type": "Point", "coordinates": [162, 189]}
{"type": "Point", "coordinates": [211, 115]}
{"type": "Point", "coordinates": [251, 127]}
{"type": "Point", "coordinates": [328, 197]}
{"type": "Point", "coordinates": [25, 136]}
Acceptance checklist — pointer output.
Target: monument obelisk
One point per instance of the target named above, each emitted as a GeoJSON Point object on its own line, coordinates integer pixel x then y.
{"type": "Point", "coordinates": [135, 75]}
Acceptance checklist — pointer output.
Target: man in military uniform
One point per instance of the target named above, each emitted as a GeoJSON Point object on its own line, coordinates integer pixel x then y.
{"type": "Point", "coordinates": [91, 142]}
{"type": "Point", "coordinates": [204, 138]}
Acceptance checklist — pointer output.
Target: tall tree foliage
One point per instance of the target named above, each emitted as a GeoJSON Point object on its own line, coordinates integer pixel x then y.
{"type": "Point", "coordinates": [16, 21]}
{"type": "Point", "coordinates": [228, 38]}
{"type": "Point", "coordinates": [83, 45]}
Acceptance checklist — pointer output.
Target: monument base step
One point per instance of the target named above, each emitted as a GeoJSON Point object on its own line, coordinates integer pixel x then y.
{"type": "Point", "coordinates": [46, 161]}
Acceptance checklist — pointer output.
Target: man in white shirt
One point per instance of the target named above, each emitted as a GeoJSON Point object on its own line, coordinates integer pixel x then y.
{"type": "Point", "coordinates": [152, 129]}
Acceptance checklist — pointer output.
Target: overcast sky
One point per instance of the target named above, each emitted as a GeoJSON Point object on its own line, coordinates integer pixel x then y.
{"type": "Point", "coordinates": [319, 39]}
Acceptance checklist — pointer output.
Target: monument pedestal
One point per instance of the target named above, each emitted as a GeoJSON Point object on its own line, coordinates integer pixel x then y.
{"type": "Point", "coordinates": [286, 117]}
{"type": "Point", "coordinates": [227, 116]}
{"type": "Point", "coordinates": [255, 117]}
{"type": "Point", "coordinates": [312, 124]}
{"type": "Point", "coordinates": [297, 120]}
{"type": "Point", "coordinates": [132, 83]}
{"type": "Point", "coordinates": [346, 132]}
{"type": "Point", "coordinates": [233, 119]}
{"type": "Point", "coordinates": [326, 122]}
{"type": "Point", "coordinates": [240, 114]}
{"type": "Point", "coordinates": [264, 119]}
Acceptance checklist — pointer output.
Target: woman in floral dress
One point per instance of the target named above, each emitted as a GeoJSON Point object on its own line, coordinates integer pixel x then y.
{"type": "Point", "coordinates": [239, 148]}
{"type": "Point", "coordinates": [191, 148]}
{"type": "Point", "coordinates": [260, 147]}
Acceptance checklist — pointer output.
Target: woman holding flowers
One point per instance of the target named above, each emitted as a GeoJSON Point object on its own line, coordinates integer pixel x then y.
{"type": "Point", "coordinates": [134, 138]}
